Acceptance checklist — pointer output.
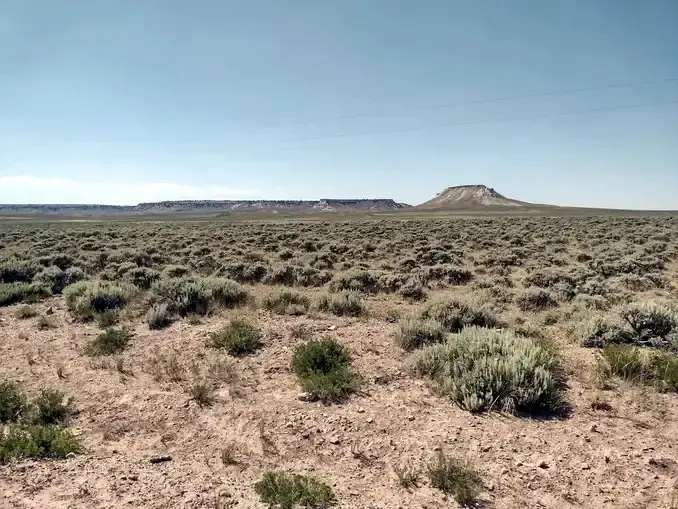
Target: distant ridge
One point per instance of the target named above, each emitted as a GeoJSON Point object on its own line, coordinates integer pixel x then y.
{"type": "Point", "coordinates": [209, 206]}
{"type": "Point", "coordinates": [474, 197]}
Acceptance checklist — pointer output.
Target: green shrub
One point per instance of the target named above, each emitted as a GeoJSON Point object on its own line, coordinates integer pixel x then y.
{"type": "Point", "coordinates": [645, 325]}
{"type": "Point", "coordinates": [413, 290]}
{"type": "Point", "coordinates": [142, 277]}
{"type": "Point", "coordinates": [482, 369]}
{"type": "Point", "coordinates": [286, 302]}
{"type": "Point", "coordinates": [238, 338]}
{"type": "Point", "coordinates": [87, 298]}
{"type": "Point", "coordinates": [412, 333]}
{"type": "Point", "coordinates": [652, 324]}
{"type": "Point", "coordinates": [159, 316]}
{"type": "Point", "coordinates": [295, 275]}
{"type": "Point", "coordinates": [455, 314]}
{"type": "Point", "coordinates": [25, 312]}
{"type": "Point", "coordinates": [202, 393]}
{"type": "Point", "coordinates": [535, 299]}
{"type": "Point", "coordinates": [13, 402]}
{"type": "Point", "coordinates": [19, 442]}
{"type": "Point", "coordinates": [643, 366]}
{"type": "Point", "coordinates": [109, 342]}
{"type": "Point", "coordinates": [454, 477]}
{"type": "Point", "coordinates": [199, 295]}
{"type": "Point", "coordinates": [107, 318]}
{"type": "Point", "coordinates": [323, 369]}
{"type": "Point", "coordinates": [51, 407]}
{"type": "Point", "coordinates": [13, 270]}
{"type": "Point", "coordinates": [283, 490]}
{"type": "Point", "coordinates": [46, 322]}
{"type": "Point", "coordinates": [11, 293]}
{"type": "Point", "coordinates": [346, 303]}
{"type": "Point", "coordinates": [57, 279]}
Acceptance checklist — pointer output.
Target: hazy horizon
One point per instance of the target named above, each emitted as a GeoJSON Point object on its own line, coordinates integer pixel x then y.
{"type": "Point", "coordinates": [563, 103]}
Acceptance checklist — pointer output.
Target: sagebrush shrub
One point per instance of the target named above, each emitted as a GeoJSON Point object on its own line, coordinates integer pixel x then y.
{"type": "Point", "coordinates": [646, 325]}
{"type": "Point", "coordinates": [454, 315]}
{"type": "Point", "coordinates": [238, 338]}
{"type": "Point", "coordinates": [87, 298]}
{"type": "Point", "coordinates": [455, 477]}
{"type": "Point", "coordinates": [24, 312]}
{"type": "Point", "coordinates": [347, 303]}
{"type": "Point", "coordinates": [483, 369]}
{"type": "Point", "coordinates": [13, 402]}
{"type": "Point", "coordinates": [57, 279]}
{"type": "Point", "coordinates": [11, 293]}
{"type": "Point", "coordinates": [286, 302]}
{"type": "Point", "coordinates": [159, 316]}
{"type": "Point", "coordinates": [199, 295]}
{"type": "Point", "coordinates": [535, 299]}
{"type": "Point", "coordinates": [323, 368]}
{"type": "Point", "coordinates": [643, 366]}
{"type": "Point", "coordinates": [19, 442]}
{"type": "Point", "coordinates": [14, 270]}
{"type": "Point", "coordinates": [51, 407]}
{"type": "Point", "coordinates": [109, 342]}
{"type": "Point", "coordinates": [411, 333]}
{"type": "Point", "coordinates": [286, 491]}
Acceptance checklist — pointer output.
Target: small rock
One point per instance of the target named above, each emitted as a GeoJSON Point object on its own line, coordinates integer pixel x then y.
{"type": "Point", "coordinates": [332, 327]}
{"type": "Point", "coordinates": [361, 410]}
{"type": "Point", "coordinates": [543, 464]}
{"type": "Point", "coordinates": [585, 466]}
{"type": "Point", "coordinates": [334, 440]}
{"type": "Point", "coordinates": [486, 448]}
{"type": "Point", "coordinates": [370, 420]}
{"type": "Point", "coordinates": [410, 417]}
{"type": "Point", "coordinates": [49, 311]}
{"type": "Point", "coordinates": [306, 396]}
{"type": "Point", "coordinates": [160, 459]}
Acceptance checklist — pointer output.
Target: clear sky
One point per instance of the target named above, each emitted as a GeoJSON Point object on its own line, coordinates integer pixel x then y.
{"type": "Point", "coordinates": [124, 101]}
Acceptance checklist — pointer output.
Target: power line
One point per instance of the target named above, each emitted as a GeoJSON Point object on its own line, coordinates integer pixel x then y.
{"type": "Point", "coordinates": [485, 121]}
{"type": "Point", "coordinates": [552, 93]}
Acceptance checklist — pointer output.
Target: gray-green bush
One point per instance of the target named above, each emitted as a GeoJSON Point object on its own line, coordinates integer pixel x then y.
{"type": "Point", "coordinates": [483, 369]}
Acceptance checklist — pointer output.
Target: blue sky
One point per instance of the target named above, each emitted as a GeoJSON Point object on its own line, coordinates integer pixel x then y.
{"type": "Point", "coordinates": [126, 101]}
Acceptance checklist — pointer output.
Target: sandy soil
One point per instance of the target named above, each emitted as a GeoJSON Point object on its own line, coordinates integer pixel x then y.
{"type": "Point", "coordinates": [132, 412]}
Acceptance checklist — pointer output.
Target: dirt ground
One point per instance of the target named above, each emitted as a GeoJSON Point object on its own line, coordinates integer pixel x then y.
{"type": "Point", "coordinates": [136, 408]}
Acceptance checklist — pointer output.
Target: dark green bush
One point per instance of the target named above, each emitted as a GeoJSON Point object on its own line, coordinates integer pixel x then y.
{"type": "Point", "coordinates": [51, 407]}
{"type": "Point", "coordinates": [13, 402]}
{"type": "Point", "coordinates": [12, 293]}
{"type": "Point", "coordinates": [238, 338]}
{"type": "Point", "coordinates": [323, 368]}
{"type": "Point", "coordinates": [14, 270]}
{"type": "Point", "coordinates": [109, 342]}
{"type": "Point", "coordinates": [286, 491]}
{"type": "Point", "coordinates": [19, 442]}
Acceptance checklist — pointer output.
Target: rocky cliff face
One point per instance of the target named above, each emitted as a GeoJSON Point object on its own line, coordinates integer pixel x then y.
{"type": "Point", "coordinates": [210, 206]}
